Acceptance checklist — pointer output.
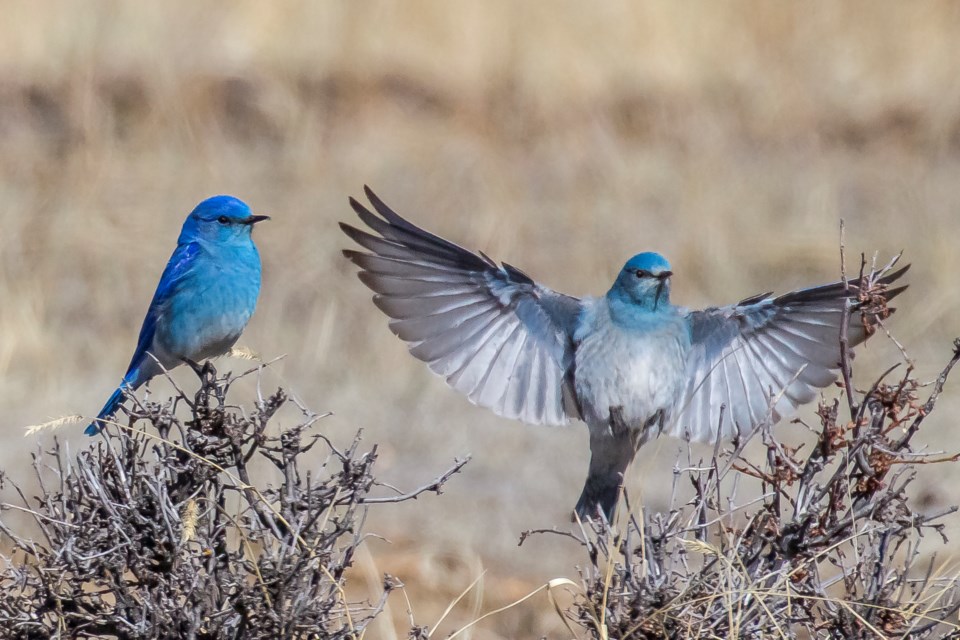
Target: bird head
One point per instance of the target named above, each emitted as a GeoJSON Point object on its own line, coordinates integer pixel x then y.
{"type": "Point", "coordinates": [644, 281]}
{"type": "Point", "coordinates": [220, 220]}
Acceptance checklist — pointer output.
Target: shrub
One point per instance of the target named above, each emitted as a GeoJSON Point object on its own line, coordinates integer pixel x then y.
{"type": "Point", "coordinates": [831, 548]}
{"type": "Point", "coordinates": [213, 527]}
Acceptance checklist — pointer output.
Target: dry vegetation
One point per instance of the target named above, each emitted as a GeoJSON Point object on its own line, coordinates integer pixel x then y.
{"type": "Point", "coordinates": [731, 137]}
{"type": "Point", "coordinates": [218, 525]}
{"type": "Point", "coordinates": [831, 547]}
{"type": "Point", "coordinates": [169, 531]}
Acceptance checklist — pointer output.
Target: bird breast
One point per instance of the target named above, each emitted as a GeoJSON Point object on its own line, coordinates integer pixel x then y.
{"type": "Point", "coordinates": [639, 369]}
{"type": "Point", "coordinates": [207, 315]}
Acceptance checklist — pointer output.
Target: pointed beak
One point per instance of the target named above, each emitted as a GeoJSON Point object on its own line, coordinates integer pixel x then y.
{"type": "Point", "coordinates": [662, 278]}
{"type": "Point", "coordinates": [255, 219]}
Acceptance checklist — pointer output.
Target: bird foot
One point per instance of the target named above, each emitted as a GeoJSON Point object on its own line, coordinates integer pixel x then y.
{"type": "Point", "coordinates": [204, 371]}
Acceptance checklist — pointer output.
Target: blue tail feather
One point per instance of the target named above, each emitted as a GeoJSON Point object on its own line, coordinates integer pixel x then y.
{"type": "Point", "coordinates": [107, 412]}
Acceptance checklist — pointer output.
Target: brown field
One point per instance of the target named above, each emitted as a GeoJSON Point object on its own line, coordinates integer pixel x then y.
{"type": "Point", "coordinates": [562, 137]}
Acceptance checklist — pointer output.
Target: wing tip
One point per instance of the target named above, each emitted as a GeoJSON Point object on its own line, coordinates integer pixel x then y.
{"type": "Point", "coordinates": [890, 294]}
{"type": "Point", "coordinates": [388, 214]}
{"type": "Point", "coordinates": [359, 208]}
{"type": "Point", "coordinates": [889, 278]}
{"type": "Point", "coordinates": [354, 256]}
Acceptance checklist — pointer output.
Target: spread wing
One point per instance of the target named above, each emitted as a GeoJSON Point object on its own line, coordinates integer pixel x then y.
{"type": "Point", "coordinates": [493, 333]}
{"type": "Point", "coordinates": [786, 348]}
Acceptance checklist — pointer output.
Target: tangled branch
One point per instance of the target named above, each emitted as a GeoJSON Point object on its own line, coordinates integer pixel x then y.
{"type": "Point", "coordinates": [212, 527]}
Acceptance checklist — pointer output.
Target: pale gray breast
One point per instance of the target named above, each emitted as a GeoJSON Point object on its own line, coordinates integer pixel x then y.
{"type": "Point", "coordinates": [220, 331]}
{"type": "Point", "coordinates": [641, 370]}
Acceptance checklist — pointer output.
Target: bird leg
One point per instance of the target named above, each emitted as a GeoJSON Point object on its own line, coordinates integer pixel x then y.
{"type": "Point", "coordinates": [654, 426]}
{"type": "Point", "coordinates": [618, 425]}
{"type": "Point", "coordinates": [193, 365]}
{"type": "Point", "coordinates": [209, 370]}
{"type": "Point", "coordinates": [204, 372]}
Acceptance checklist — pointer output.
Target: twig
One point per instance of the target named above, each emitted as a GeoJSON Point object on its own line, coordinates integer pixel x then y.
{"type": "Point", "coordinates": [435, 485]}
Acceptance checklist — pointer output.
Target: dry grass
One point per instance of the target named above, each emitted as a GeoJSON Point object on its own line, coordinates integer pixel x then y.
{"type": "Point", "coordinates": [729, 136]}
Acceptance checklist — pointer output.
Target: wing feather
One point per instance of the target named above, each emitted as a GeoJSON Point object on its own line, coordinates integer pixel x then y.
{"type": "Point", "coordinates": [403, 308]}
{"type": "Point", "coordinates": [770, 350]}
{"type": "Point", "coordinates": [493, 333]}
{"type": "Point", "coordinates": [178, 270]}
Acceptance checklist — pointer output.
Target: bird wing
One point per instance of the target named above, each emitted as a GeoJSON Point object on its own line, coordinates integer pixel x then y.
{"type": "Point", "coordinates": [767, 350]}
{"type": "Point", "coordinates": [178, 268]}
{"type": "Point", "coordinates": [493, 333]}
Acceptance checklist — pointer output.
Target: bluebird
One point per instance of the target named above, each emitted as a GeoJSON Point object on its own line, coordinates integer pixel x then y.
{"type": "Point", "coordinates": [630, 364]}
{"type": "Point", "coordinates": [206, 295]}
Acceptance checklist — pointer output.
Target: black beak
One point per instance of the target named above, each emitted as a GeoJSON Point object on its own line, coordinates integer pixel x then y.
{"type": "Point", "coordinates": [662, 278]}
{"type": "Point", "coordinates": [255, 219]}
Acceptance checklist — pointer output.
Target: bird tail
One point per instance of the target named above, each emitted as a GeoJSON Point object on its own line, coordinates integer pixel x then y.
{"type": "Point", "coordinates": [611, 452]}
{"type": "Point", "coordinates": [113, 403]}
{"type": "Point", "coordinates": [599, 496]}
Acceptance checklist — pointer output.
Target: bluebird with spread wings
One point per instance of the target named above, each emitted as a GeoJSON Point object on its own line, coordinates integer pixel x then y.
{"type": "Point", "coordinates": [630, 364]}
{"type": "Point", "coordinates": [205, 297]}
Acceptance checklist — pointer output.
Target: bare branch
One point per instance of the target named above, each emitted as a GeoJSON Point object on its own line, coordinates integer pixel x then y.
{"type": "Point", "coordinates": [148, 535]}
{"type": "Point", "coordinates": [435, 485]}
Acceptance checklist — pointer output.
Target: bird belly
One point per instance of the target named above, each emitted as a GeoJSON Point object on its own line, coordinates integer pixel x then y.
{"type": "Point", "coordinates": [639, 374]}
{"type": "Point", "coordinates": [204, 324]}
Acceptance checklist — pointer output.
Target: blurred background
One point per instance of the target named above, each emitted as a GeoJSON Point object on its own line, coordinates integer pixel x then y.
{"type": "Point", "coordinates": [562, 137]}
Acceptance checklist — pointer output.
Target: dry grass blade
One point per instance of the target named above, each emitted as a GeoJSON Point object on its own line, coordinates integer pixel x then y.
{"type": "Point", "coordinates": [189, 520]}
{"type": "Point", "coordinates": [53, 424]}
{"type": "Point", "coordinates": [498, 610]}
{"type": "Point", "coordinates": [455, 601]}
{"type": "Point", "coordinates": [244, 353]}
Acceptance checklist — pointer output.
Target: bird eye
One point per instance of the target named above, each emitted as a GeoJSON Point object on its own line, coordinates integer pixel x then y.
{"type": "Point", "coordinates": [223, 220]}
{"type": "Point", "coordinates": [640, 273]}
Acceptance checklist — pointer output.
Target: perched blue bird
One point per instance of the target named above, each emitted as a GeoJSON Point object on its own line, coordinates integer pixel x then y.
{"type": "Point", "coordinates": [630, 364]}
{"type": "Point", "coordinates": [206, 295]}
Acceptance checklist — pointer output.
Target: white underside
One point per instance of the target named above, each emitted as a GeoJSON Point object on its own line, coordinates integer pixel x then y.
{"type": "Point", "coordinates": [640, 370]}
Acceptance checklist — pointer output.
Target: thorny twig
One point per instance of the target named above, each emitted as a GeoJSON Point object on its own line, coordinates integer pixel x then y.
{"type": "Point", "coordinates": [221, 532]}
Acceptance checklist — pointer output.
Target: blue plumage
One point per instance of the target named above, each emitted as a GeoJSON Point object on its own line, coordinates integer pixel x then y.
{"type": "Point", "coordinates": [630, 364]}
{"type": "Point", "coordinates": [205, 296]}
